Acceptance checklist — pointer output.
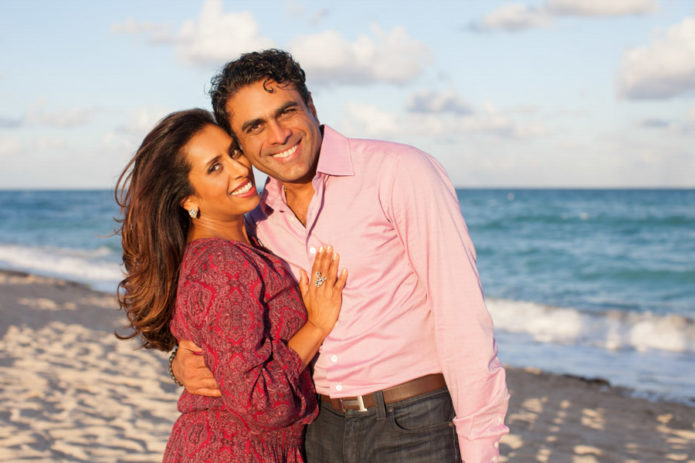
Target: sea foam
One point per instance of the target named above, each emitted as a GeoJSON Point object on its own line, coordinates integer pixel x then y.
{"type": "Point", "coordinates": [611, 329]}
{"type": "Point", "coordinates": [97, 268]}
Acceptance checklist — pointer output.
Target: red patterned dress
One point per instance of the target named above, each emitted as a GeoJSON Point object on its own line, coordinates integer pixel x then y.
{"type": "Point", "coordinates": [241, 305]}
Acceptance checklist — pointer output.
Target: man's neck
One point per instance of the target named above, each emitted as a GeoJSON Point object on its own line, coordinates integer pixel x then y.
{"type": "Point", "coordinates": [298, 196]}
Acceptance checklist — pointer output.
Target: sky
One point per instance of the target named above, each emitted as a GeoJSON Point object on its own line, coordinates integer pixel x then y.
{"type": "Point", "coordinates": [534, 93]}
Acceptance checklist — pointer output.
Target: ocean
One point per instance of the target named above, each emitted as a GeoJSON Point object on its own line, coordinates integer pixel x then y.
{"type": "Point", "coordinates": [593, 283]}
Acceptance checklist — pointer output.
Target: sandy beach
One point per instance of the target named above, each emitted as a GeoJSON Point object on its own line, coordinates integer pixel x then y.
{"type": "Point", "coordinates": [70, 391]}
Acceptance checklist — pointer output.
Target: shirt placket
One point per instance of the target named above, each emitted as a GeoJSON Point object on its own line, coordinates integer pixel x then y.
{"type": "Point", "coordinates": [313, 242]}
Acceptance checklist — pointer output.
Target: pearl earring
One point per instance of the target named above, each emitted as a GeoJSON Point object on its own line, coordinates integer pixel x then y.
{"type": "Point", "coordinates": [193, 212]}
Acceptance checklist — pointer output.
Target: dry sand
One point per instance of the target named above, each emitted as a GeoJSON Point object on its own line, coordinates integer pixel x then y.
{"type": "Point", "coordinates": [70, 391]}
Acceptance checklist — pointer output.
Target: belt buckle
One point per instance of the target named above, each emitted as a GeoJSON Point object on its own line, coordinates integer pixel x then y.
{"type": "Point", "coordinates": [356, 401]}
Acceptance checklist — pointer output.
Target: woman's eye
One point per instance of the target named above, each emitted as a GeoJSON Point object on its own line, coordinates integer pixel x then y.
{"type": "Point", "coordinates": [214, 168]}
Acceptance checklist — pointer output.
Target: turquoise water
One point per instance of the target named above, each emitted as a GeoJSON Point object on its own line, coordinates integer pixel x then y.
{"type": "Point", "coordinates": [598, 283]}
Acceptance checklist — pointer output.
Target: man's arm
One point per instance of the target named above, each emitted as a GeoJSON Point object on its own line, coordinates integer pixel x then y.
{"type": "Point", "coordinates": [189, 368]}
{"type": "Point", "coordinates": [426, 213]}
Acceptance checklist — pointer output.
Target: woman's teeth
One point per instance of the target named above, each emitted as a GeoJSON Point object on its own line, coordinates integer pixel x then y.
{"type": "Point", "coordinates": [244, 189]}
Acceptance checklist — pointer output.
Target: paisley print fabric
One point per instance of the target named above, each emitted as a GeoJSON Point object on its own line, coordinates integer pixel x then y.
{"type": "Point", "coordinates": [241, 305]}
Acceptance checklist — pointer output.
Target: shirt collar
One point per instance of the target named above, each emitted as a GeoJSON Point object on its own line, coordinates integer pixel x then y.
{"type": "Point", "coordinates": [334, 157]}
{"type": "Point", "coordinates": [334, 160]}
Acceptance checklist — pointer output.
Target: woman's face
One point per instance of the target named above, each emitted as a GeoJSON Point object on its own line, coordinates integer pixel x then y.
{"type": "Point", "coordinates": [222, 180]}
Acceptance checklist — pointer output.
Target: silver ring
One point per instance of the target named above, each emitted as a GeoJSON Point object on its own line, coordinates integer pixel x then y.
{"type": "Point", "coordinates": [320, 279]}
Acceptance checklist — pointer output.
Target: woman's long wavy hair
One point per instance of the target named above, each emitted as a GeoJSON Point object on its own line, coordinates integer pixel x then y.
{"type": "Point", "coordinates": [154, 226]}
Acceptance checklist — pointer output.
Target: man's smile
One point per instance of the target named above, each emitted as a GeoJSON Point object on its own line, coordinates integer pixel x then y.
{"type": "Point", "coordinates": [285, 154]}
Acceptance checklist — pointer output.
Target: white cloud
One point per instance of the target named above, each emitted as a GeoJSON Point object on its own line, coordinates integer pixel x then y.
{"type": "Point", "coordinates": [516, 17]}
{"type": "Point", "coordinates": [64, 118]}
{"type": "Point", "coordinates": [319, 15]}
{"type": "Point", "coordinates": [294, 9]}
{"type": "Point", "coordinates": [38, 115]}
{"type": "Point", "coordinates": [392, 57]}
{"type": "Point", "coordinates": [10, 146]}
{"type": "Point", "coordinates": [492, 121]}
{"type": "Point", "coordinates": [664, 69]}
{"type": "Point", "coordinates": [35, 145]}
{"type": "Point", "coordinates": [49, 144]}
{"type": "Point", "coordinates": [433, 102]}
{"type": "Point", "coordinates": [158, 33]}
{"type": "Point", "coordinates": [128, 135]}
{"type": "Point", "coordinates": [601, 7]}
{"type": "Point", "coordinates": [369, 120]}
{"type": "Point", "coordinates": [655, 123]}
{"type": "Point", "coordinates": [142, 119]}
{"type": "Point", "coordinates": [215, 37]}
{"type": "Point", "coordinates": [10, 122]}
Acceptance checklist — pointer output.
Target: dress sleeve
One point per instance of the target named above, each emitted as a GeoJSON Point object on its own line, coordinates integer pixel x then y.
{"type": "Point", "coordinates": [423, 206]}
{"type": "Point", "coordinates": [224, 312]}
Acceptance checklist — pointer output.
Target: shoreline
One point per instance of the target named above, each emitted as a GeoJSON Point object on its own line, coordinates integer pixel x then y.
{"type": "Point", "coordinates": [73, 392]}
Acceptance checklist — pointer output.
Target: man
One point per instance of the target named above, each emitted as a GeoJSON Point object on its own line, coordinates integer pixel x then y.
{"type": "Point", "coordinates": [414, 336]}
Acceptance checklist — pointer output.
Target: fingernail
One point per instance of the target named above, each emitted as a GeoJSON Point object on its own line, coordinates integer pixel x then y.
{"type": "Point", "coordinates": [329, 248]}
{"type": "Point", "coordinates": [321, 249]}
{"type": "Point", "coordinates": [335, 255]}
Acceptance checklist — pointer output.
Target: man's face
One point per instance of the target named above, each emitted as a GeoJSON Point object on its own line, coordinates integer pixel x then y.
{"type": "Point", "coordinates": [277, 130]}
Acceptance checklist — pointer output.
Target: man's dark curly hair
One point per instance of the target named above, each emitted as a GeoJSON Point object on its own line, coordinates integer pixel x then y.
{"type": "Point", "coordinates": [272, 64]}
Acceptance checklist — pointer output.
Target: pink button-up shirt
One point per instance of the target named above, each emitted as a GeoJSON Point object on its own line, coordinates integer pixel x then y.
{"type": "Point", "coordinates": [413, 303]}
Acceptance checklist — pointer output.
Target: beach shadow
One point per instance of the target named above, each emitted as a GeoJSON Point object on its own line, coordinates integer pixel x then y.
{"type": "Point", "coordinates": [71, 391]}
{"type": "Point", "coordinates": [35, 301]}
{"type": "Point", "coordinates": [557, 418]}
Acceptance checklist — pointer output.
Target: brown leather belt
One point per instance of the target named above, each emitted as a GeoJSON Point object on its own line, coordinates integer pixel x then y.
{"type": "Point", "coordinates": [403, 391]}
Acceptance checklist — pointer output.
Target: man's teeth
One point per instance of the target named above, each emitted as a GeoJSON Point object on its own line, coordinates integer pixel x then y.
{"type": "Point", "coordinates": [286, 153]}
{"type": "Point", "coordinates": [244, 189]}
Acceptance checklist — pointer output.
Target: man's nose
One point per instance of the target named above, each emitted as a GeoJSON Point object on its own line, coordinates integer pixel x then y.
{"type": "Point", "coordinates": [279, 134]}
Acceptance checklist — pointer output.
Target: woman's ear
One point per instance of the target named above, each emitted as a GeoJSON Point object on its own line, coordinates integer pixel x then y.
{"type": "Point", "coordinates": [191, 205]}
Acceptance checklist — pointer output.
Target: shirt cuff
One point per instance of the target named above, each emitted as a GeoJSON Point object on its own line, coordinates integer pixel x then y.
{"type": "Point", "coordinates": [484, 450]}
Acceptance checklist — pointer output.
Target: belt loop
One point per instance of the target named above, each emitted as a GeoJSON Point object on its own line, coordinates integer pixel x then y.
{"type": "Point", "coordinates": [380, 406]}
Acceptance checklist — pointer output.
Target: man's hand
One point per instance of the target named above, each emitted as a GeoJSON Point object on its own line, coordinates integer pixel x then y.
{"type": "Point", "coordinates": [189, 368]}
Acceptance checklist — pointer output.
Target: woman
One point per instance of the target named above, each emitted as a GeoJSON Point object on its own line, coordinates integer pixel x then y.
{"type": "Point", "coordinates": [192, 272]}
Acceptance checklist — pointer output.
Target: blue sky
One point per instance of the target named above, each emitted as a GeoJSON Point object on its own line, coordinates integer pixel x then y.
{"type": "Point", "coordinates": [550, 93]}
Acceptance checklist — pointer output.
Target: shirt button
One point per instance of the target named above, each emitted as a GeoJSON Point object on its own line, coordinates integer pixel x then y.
{"type": "Point", "coordinates": [494, 459]}
{"type": "Point", "coordinates": [334, 358]}
{"type": "Point", "coordinates": [312, 250]}
{"type": "Point", "coordinates": [497, 445]}
{"type": "Point", "coordinates": [339, 387]}
{"type": "Point", "coordinates": [499, 420]}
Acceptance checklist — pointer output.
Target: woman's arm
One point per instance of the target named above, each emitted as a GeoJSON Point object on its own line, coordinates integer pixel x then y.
{"type": "Point", "coordinates": [258, 375]}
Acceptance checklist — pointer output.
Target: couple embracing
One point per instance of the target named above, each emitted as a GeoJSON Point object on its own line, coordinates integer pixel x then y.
{"type": "Point", "coordinates": [337, 318]}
